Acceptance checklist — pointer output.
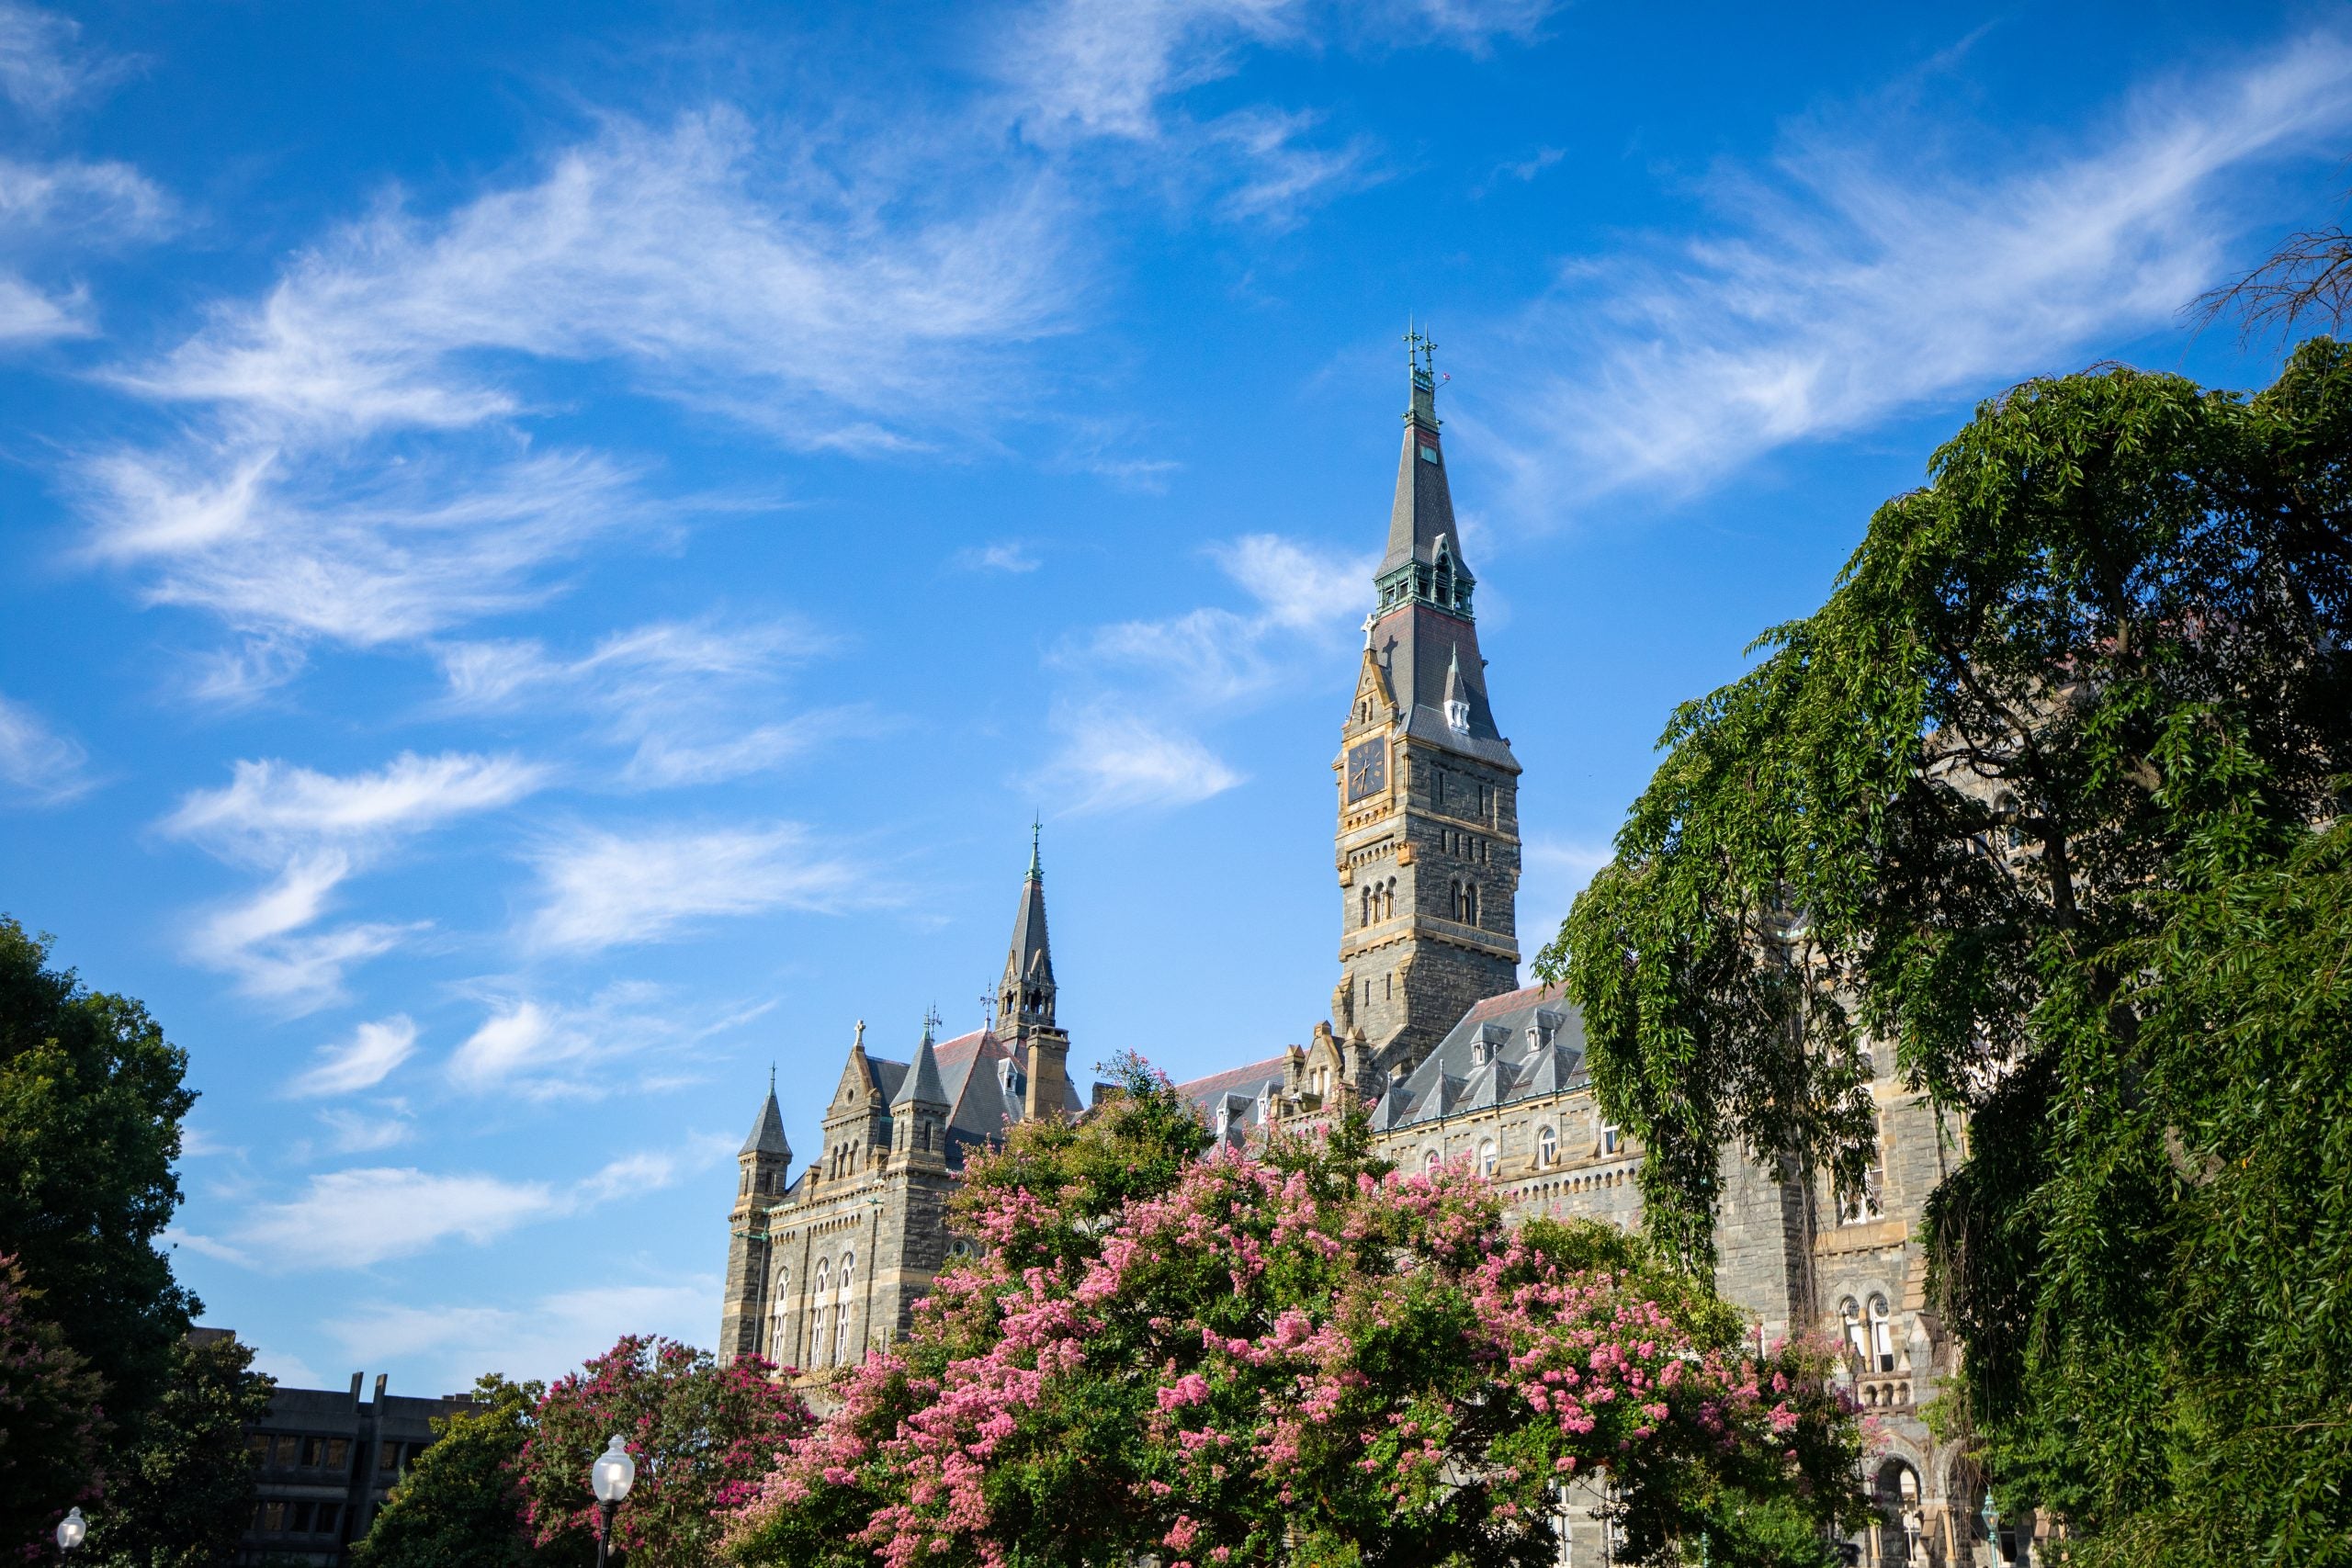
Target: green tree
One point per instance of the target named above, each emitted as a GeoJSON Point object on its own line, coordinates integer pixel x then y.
{"type": "Point", "coordinates": [181, 1491]}
{"type": "Point", "coordinates": [702, 1436]}
{"type": "Point", "coordinates": [1304, 1359]}
{"type": "Point", "coordinates": [2096, 665]}
{"type": "Point", "coordinates": [91, 1100]}
{"type": "Point", "coordinates": [49, 1426]}
{"type": "Point", "coordinates": [460, 1505]}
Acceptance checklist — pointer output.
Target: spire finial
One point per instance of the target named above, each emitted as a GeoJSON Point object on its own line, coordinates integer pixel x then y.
{"type": "Point", "coordinates": [771, 1080]}
{"type": "Point", "coordinates": [930, 1020]}
{"type": "Point", "coordinates": [859, 1043]}
{"type": "Point", "coordinates": [1036, 826]}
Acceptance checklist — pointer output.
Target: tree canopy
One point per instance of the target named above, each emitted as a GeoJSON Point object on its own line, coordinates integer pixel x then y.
{"type": "Point", "coordinates": [460, 1504]}
{"type": "Point", "coordinates": [702, 1434]}
{"type": "Point", "coordinates": [2062, 735]}
{"type": "Point", "coordinates": [180, 1492]}
{"type": "Point", "coordinates": [1303, 1359]}
{"type": "Point", "coordinates": [91, 1099]}
{"type": "Point", "coordinates": [50, 1428]}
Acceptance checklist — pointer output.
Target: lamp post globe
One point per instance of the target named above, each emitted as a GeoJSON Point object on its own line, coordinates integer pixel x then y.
{"type": "Point", "coordinates": [1991, 1517]}
{"type": "Point", "coordinates": [71, 1529]}
{"type": "Point", "coordinates": [610, 1478]}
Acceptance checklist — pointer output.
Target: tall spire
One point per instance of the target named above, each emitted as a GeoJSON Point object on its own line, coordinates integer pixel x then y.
{"type": "Point", "coordinates": [1423, 564]}
{"type": "Point", "coordinates": [1024, 994]}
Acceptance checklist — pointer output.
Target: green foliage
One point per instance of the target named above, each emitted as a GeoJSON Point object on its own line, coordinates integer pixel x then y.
{"type": "Point", "coordinates": [50, 1426]}
{"type": "Point", "coordinates": [1995, 804]}
{"type": "Point", "coordinates": [702, 1434]}
{"type": "Point", "coordinates": [460, 1505]}
{"type": "Point", "coordinates": [181, 1491]}
{"type": "Point", "coordinates": [91, 1100]}
{"type": "Point", "coordinates": [1307, 1358]}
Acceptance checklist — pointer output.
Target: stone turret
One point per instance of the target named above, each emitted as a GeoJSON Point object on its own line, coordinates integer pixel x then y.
{"type": "Point", "coordinates": [766, 1171]}
{"type": "Point", "coordinates": [1025, 1007]}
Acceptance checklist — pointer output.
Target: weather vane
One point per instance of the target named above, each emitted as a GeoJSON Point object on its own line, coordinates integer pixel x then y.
{"type": "Point", "coordinates": [1420, 351]}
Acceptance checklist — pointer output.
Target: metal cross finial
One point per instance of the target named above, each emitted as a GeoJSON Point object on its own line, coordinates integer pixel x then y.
{"type": "Point", "coordinates": [987, 1009]}
{"type": "Point", "coordinates": [930, 1019]}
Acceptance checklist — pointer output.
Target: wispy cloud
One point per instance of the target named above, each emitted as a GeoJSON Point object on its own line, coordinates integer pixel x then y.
{"type": "Point", "coordinates": [1852, 280]}
{"type": "Point", "coordinates": [1008, 555]}
{"type": "Point", "coordinates": [1114, 760]}
{"type": "Point", "coordinates": [361, 1062]}
{"type": "Point", "coordinates": [602, 889]}
{"type": "Point", "coordinates": [357, 1218]}
{"type": "Point", "coordinates": [43, 63]}
{"type": "Point", "coordinates": [350, 455]}
{"type": "Point", "coordinates": [627, 1038]}
{"type": "Point", "coordinates": [39, 765]}
{"type": "Point", "coordinates": [681, 696]}
{"type": "Point", "coordinates": [1141, 691]}
{"type": "Point", "coordinates": [542, 1339]}
{"type": "Point", "coordinates": [312, 832]}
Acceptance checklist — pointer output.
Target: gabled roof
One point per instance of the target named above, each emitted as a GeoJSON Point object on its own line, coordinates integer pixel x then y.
{"type": "Point", "coordinates": [922, 1085]}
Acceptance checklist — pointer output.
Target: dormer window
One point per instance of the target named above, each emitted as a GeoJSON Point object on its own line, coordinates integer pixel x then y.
{"type": "Point", "coordinates": [1457, 716]}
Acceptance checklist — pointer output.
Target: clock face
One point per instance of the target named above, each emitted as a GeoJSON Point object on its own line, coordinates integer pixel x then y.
{"type": "Point", "coordinates": [1367, 769]}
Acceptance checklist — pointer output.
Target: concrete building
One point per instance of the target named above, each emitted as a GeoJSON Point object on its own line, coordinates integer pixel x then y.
{"type": "Point", "coordinates": [328, 1460]}
{"type": "Point", "coordinates": [1430, 1030]}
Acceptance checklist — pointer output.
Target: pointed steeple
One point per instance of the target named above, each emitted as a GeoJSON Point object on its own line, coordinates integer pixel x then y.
{"type": "Point", "coordinates": [767, 1133]}
{"type": "Point", "coordinates": [1457, 703]}
{"type": "Point", "coordinates": [1424, 563]}
{"type": "Point", "coordinates": [1025, 995]}
{"type": "Point", "coordinates": [922, 1085]}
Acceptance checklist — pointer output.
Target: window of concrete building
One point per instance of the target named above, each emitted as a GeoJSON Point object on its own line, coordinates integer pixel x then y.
{"type": "Point", "coordinates": [258, 1446]}
{"type": "Point", "coordinates": [338, 1454]}
{"type": "Point", "coordinates": [272, 1517]}
{"type": "Point", "coordinates": [329, 1516]}
{"type": "Point", "coordinates": [387, 1458]}
{"type": "Point", "coordinates": [1547, 1147]}
{"type": "Point", "coordinates": [1882, 1334]}
{"type": "Point", "coordinates": [1487, 1157]}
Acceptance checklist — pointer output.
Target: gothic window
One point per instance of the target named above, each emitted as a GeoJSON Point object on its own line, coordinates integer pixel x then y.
{"type": "Point", "coordinates": [1881, 1335]}
{"type": "Point", "coordinates": [779, 1317]}
{"type": "Point", "coordinates": [1850, 1315]}
{"type": "Point", "coordinates": [817, 1312]}
{"type": "Point", "coordinates": [1547, 1147]}
{"type": "Point", "coordinates": [840, 1334]}
{"type": "Point", "coordinates": [849, 1272]}
{"type": "Point", "coordinates": [2007, 806]}
{"type": "Point", "coordinates": [1389, 982]}
{"type": "Point", "coordinates": [1486, 1157]}
{"type": "Point", "coordinates": [1470, 903]}
{"type": "Point", "coordinates": [1388, 899]}
{"type": "Point", "coordinates": [1429, 1163]}
{"type": "Point", "coordinates": [1862, 1202]}
{"type": "Point", "coordinates": [1363, 901]}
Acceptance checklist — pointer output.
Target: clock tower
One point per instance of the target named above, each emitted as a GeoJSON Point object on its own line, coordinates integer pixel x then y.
{"type": "Point", "coordinates": [1428, 841]}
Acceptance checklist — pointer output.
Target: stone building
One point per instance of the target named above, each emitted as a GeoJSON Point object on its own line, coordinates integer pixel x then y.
{"type": "Point", "coordinates": [1430, 1030]}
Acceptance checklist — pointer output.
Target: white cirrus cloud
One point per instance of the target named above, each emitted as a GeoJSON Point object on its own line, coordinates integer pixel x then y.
{"type": "Point", "coordinates": [310, 832]}
{"type": "Point", "coordinates": [1141, 694]}
{"type": "Point", "coordinates": [43, 63]}
{"type": "Point", "coordinates": [361, 1062]}
{"type": "Point", "coordinates": [447, 1346]}
{"type": "Point", "coordinates": [38, 765]}
{"type": "Point", "coordinates": [1114, 759]}
{"type": "Point", "coordinates": [610, 1043]}
{"type": "Point", "coordinates": [355, 1219]}
{"type": "Point", "coordinates": [348, 458]}
{"type": "Point", "coordinates": [1008, 555]}
{"type": "Point", "coordinates": [1855, 279]}
{"type": "Point", "coordinates": [694, 701]}
{"type": "Point", "coordinates": [602, 889]}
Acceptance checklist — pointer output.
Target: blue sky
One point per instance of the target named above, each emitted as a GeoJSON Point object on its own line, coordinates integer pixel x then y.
{"type": "Point", "coordinates": [553, 551]}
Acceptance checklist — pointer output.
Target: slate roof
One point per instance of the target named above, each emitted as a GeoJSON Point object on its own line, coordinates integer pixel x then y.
{"type": "Point", "coordinates": [1238, 1092]}
{"type": "Point", "coordinates": [1519, 1045]}
{"type": "Point", "coordinates": [978, 1081]}
{"type": "Point", "coordinates": [767, 1133]}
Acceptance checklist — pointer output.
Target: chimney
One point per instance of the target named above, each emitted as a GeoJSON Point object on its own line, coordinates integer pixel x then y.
{"type": "Point", "coordinates": [1049, 1074]}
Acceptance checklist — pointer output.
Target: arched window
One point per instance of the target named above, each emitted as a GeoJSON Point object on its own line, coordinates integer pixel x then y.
{"type": "Point", "coordinates": [1363, 902]}
{"type": "Point", "coordinates": [840, 1334]}
{"type": "Point", "coordinates": [1882, 1334]}
{"type": "Point", "coordinates": [849, 1272]}
{"type": "Point", "coordinates": [1487, 1157]}
{"type": "Point", "coordinates": [1429, 1163]}
{"type": "Point", "coordinates": [1469, 903]}
{"type": "Point", "coordinates": [1850, 1315]}
{"type": "Point", "coordinates": [1547, 1147]}
{"type": "Point", "coordinates": [817, 1312]}
{"type": "Point", "coordinates": [1388, 899]}
{"type": "Point", "coordinates": [779, 1315]}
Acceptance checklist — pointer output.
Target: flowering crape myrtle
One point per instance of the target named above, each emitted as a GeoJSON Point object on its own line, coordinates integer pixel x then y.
{"type": "Point", "coordinates": [1303, 1358]}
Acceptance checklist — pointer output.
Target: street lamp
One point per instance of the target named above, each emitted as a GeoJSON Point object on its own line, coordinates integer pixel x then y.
{"type": "Point", "coordinates": [71, 1529]}
{"type": "Point", "coordinates": [610, 1478]}
{"type": "Point", "coordinates": [1991, 1519]}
